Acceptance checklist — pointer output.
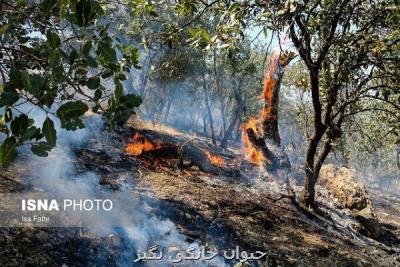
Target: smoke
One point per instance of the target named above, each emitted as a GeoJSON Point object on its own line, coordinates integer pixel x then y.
{"type": "Point", "coordinates": [57, 174]}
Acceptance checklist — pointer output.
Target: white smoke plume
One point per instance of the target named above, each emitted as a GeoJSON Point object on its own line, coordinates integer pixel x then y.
{"type": "Point", "coordinates": [57, 174]}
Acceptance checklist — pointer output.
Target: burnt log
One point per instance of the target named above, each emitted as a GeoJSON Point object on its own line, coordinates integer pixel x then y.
{"type": "Point", "coordinates": [188, 153]}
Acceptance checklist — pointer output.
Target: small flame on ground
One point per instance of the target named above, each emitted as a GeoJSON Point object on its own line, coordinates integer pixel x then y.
{"type": "Point", "coordinates": [214, 159]}
{"type": "Point", "coordinates": [139, 145]}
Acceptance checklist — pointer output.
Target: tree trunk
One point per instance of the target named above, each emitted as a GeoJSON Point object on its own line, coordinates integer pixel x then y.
{"type": "Point", "coordinates": [208, 106]}
{"type": "Point", "coordinates": [228, 132]}
{"type": "Point", "coordinates": [223, 115]}
{"type": "Point", "coordinates": [167, 110]}
{"type": "Point", "coordinates": [269, 136]}
{"type": "Point", "coordinates": [398, 157]}
{"type": "Point", "coordinates": [271, 95]}
{"type": "Point", "coordinates": [204, 117]}
{"type": "Point", "coordinates": [238, 133]}
{"type": "Point", "coordinates": [313, 166]}
{"type": "Point", "coordinates": [308, 193]}
{"type": "Point", "coordinates": [239, 110]}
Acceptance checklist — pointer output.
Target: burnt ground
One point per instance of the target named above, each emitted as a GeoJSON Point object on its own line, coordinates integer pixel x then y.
{"type": "Point", "coordinates": [213, 209]}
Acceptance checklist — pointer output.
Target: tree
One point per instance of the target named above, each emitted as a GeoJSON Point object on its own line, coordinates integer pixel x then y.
{"type": "Point", "coordinates": [181, 55]}
{"type": "Point", "coordinates": [60, 57]}
{"type": "Point", "coordinates": [349, 48]}
{"type": "Point", "coordinates": [339, 52]}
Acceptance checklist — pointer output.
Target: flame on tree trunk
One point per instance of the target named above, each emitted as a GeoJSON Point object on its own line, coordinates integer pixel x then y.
{"type": "Point", "coordinates": [257, 131]}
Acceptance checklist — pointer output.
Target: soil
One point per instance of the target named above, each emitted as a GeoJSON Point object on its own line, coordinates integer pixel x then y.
{"type": "Point", "coordinates": [255, 214]}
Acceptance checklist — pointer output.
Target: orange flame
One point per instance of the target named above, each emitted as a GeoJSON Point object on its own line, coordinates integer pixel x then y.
{"type": "Point", "coordinates": [252, 124]}
{"type": "Point", "coordinates": [214, 159]}
{"type": "Point", "coordinates": [269, 86]}
{"type": "Point", "coordinates": [253, 154]}
{"type": "Point", "coordinates": [139, 145]}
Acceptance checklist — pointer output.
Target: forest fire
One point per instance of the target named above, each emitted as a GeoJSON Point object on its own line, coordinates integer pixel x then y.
{"type": "Point", "coordinates": [268, 90]}
{"type": "Point", "coordinates": [139, 145]}
{"type": "Point", "coordinates": [252, 154]}
{"type": "Point", "coordinates": [215, 160]}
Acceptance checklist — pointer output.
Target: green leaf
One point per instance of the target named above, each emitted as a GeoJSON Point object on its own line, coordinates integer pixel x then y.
{"type": "Point", "coordinates": [131, 100]}
{"type": "Point", "coordinates": [53, 39]}
{"type": "Point", "coordinates": [72, 109]}
{"type": "Point", "coordinates": [29, 134]}
{"type": "Point", "coordinates": [122, 115]}
{"type": "Point", "coordinates": [2, 120]}
{"type": "Point", "coordinates": [69, 114]}
{"type": "Point", "coordinates": [105, 50]}
{"type": "Point", "coordinates": [8, 114]}
{"type": "Point", "coordinates": [153, 14]}
{"type": "Point", "coordinates": [39, 85]}
{"type": "Point", "coordinates": [93, 83]}
{"type": "Point", "coordinates": [41, 149]}
{"type": "Point", "coordinates": [106, 74]}
{"type": "Point", "coordinates": [82, 12]}
{"type": "Point", "coordinates": [73, 56]}
{"type": "Point", "coordinates": [7, 151]}
{"type": "Point", "coordinates": [86, 11]}
{"type": "Point", "coordinates": [54, 61]}
{"type": "Point", "coordinates": [49, 132]}
{"type": "Point", "coordinates": [86, 48]}
{"type": "Point", "coordinates": [19, 125]}
{"type": "Point", "coordinates": [20, 79]}
{"type": "Point", "coordinates": [48, 98]}
{"type": "Point", "coordinates": [4, 28]}
{"type": "Point", "coordinates": [47, 5]}
{"type": "Point", "coordinates": [91, 62]}
{"type": "Point", "coordinates": [118, 90]}
{"type": "Point", "coordinates": [133, 53]}
{"type": "Point", "coordinates": [8, 98]}
{"type": "Point", "coordinates": [96, 9]}
{"type": "Point", "coordinates": [97, 94]}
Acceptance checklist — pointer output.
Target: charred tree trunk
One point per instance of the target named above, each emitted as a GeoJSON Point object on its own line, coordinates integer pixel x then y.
{"type": "Point", "coordinates": [270, 123]}
{"type": "Point", "coordinates": [268, 140]}
{"type": "Point", "coordinates": [271, 92]}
